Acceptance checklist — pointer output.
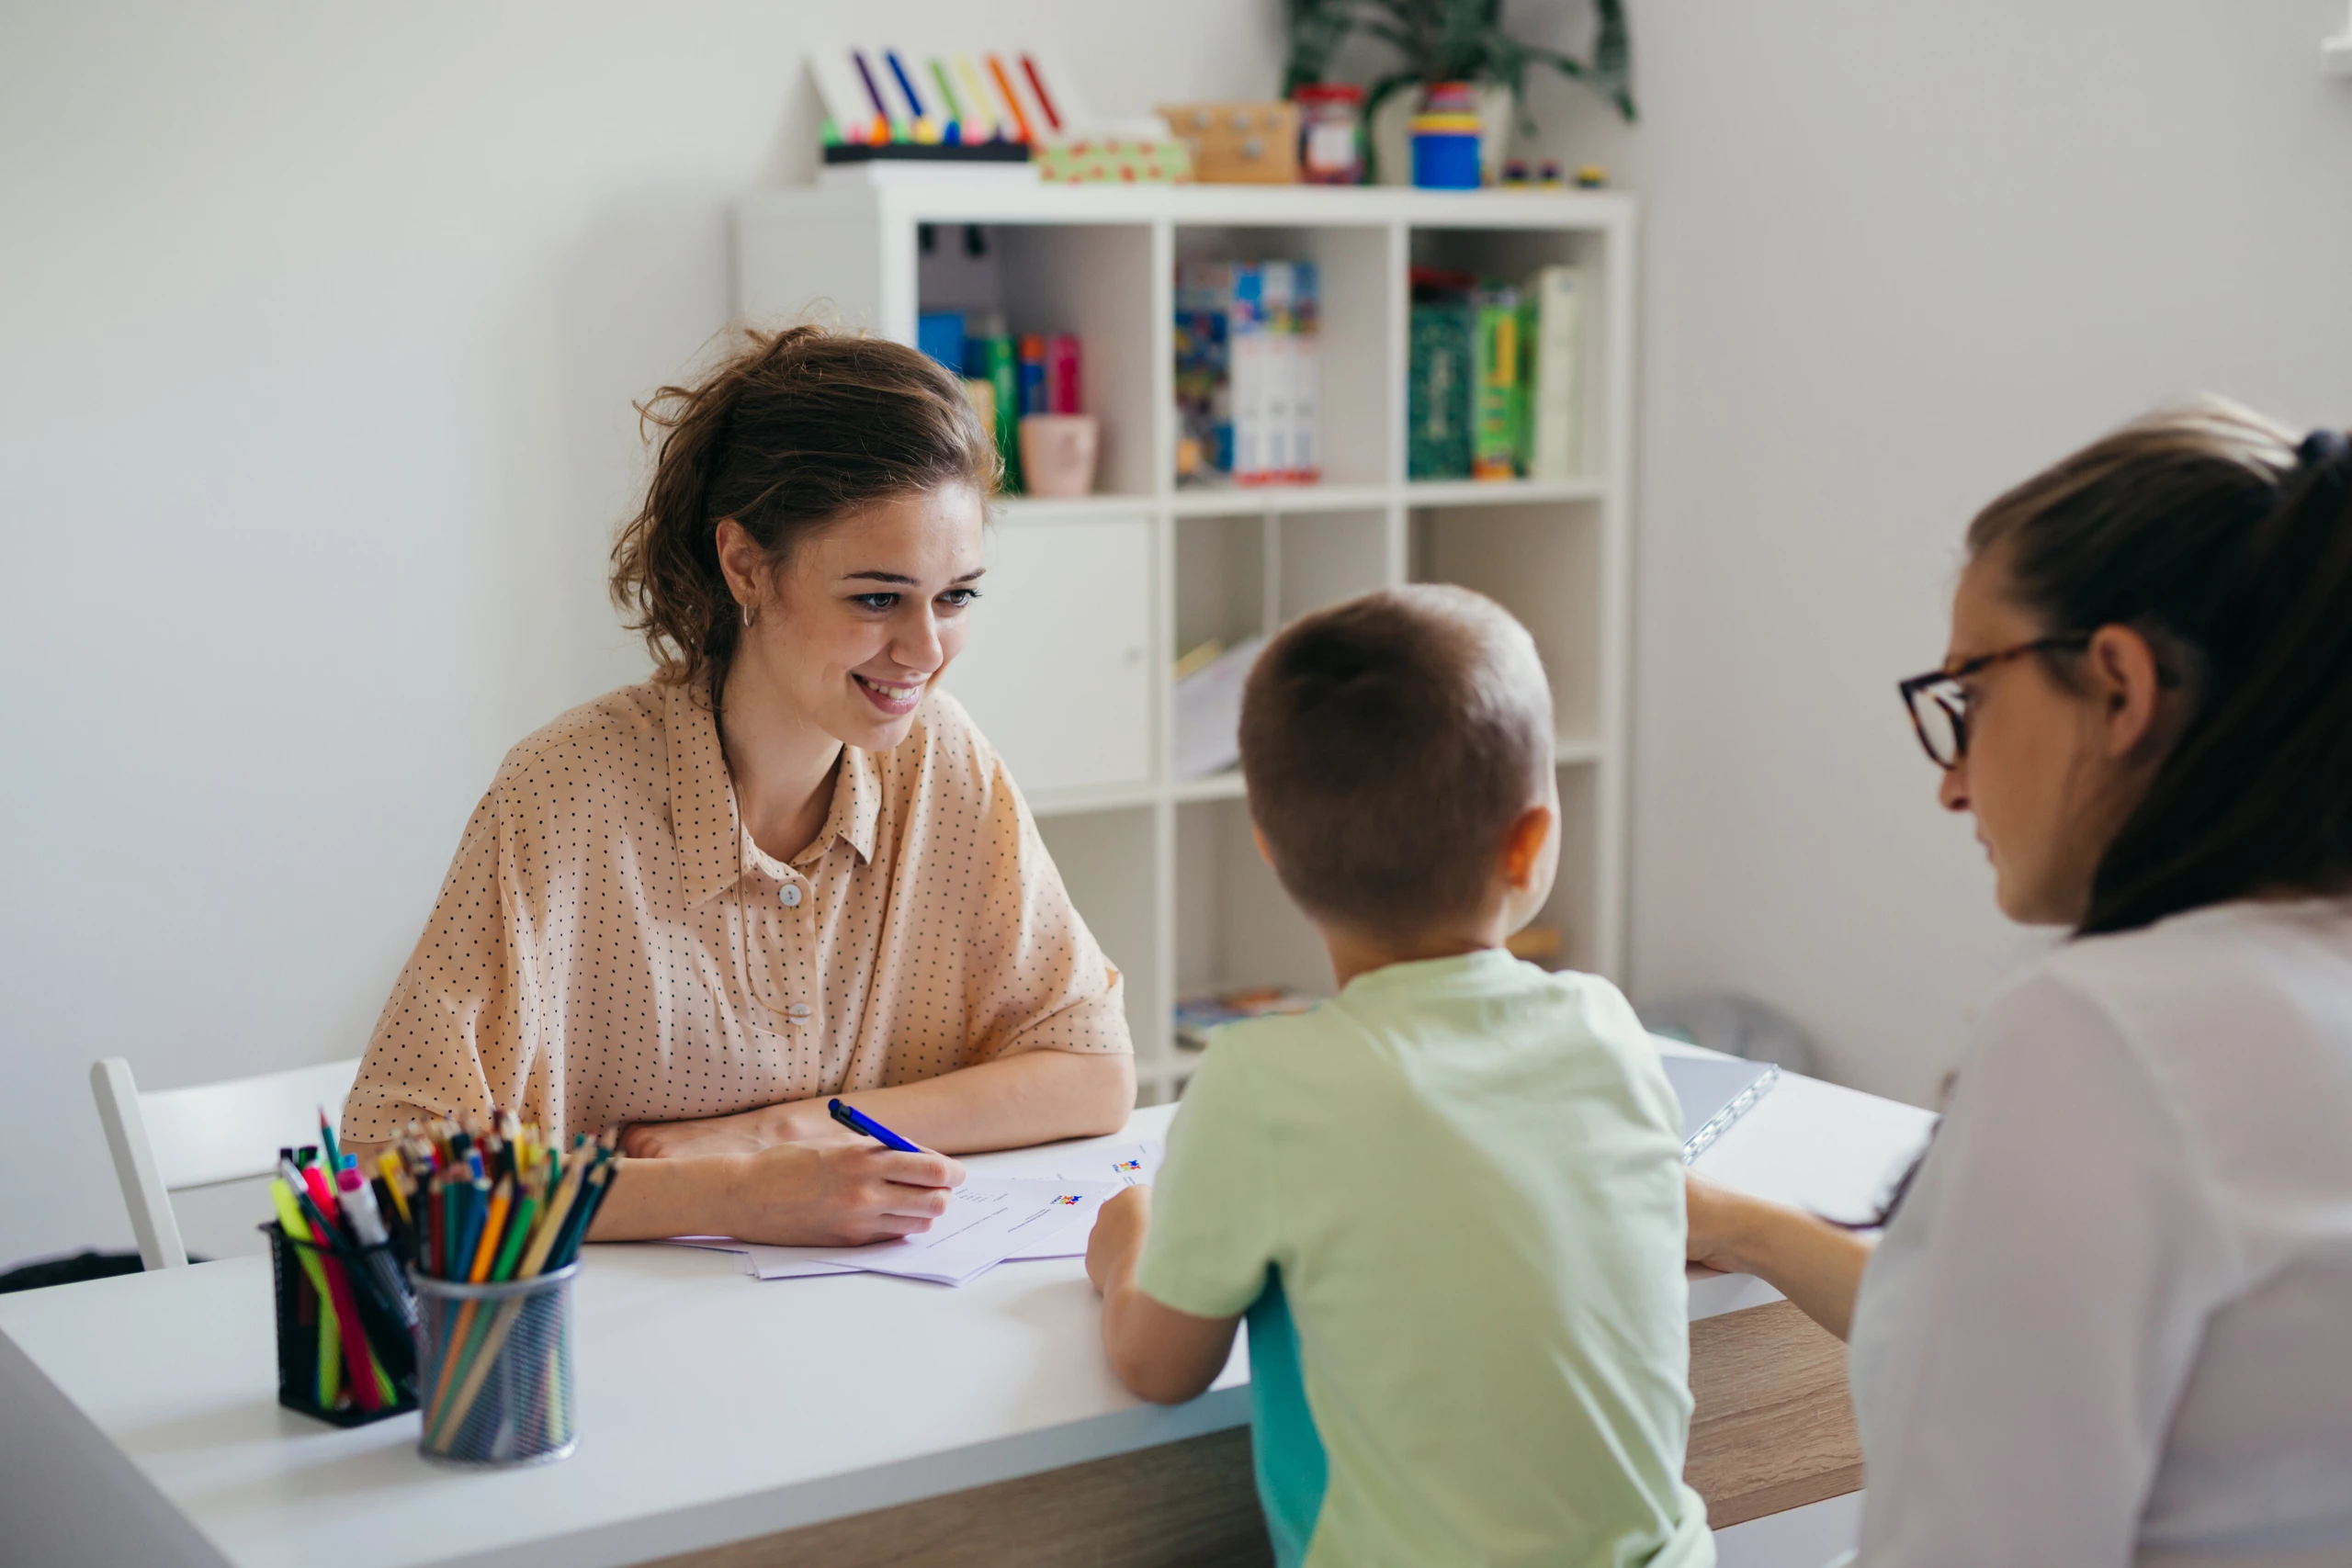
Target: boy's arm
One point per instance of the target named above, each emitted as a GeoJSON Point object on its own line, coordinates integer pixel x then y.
{"type": "Point", "coordinates": [1162, 1355]}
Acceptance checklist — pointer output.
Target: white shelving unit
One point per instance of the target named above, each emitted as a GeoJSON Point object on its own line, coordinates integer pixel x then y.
{"type": "Point", "coordinates": [1089, 601]}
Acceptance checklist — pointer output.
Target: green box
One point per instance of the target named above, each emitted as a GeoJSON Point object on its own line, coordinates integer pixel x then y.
{"type": "Point", "coordinates": [1501, 396]}
{"type": "Point", "coordinates": [1439, 392]}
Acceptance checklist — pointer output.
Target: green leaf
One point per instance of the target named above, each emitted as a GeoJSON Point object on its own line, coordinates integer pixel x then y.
{"type": "Point", "coordinates": [1455, 40]}
{"type": "Point", "coordinates": [1318, 27]}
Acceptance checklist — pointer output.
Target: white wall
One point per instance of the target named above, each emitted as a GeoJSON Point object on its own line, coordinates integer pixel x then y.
{"type": "Point", "coordinates": [1898, 258]}
{"type": "Point", "coordinates": [319, 329]}
{"type": "Point", "coordinates": [319, 332]}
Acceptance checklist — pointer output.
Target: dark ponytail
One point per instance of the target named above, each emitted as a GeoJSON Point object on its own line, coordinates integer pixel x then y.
{"type": "Point", "coordinates": [2228, 544]}
{"type": "Point", "coordinates": [788, 431]}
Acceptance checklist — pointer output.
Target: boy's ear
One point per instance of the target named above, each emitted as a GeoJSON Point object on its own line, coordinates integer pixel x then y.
{"type": "Point", "coordinates": [1258, 837]}
{"type": "Point", "coordinates": [1523, 845]}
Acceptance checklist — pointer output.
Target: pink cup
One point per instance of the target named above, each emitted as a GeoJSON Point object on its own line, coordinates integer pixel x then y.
{"type": "Point", "coordinates": [1058, 454]}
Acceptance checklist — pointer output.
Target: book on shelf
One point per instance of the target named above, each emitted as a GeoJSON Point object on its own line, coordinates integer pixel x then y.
{"type": "Point", "coordinates": [1439, 393]}
{"type": "Point", "coordinates": [1247, 372]}
{"type": "Point", "coordinates": [1494, 370]}
{"type": "Point", "coordinates": [1551, 336]}
{"type": "Point", "coordinates": [1494, 390]}
{"type": "Point", "coordinates": [993, 355]}
{"type": "Point", "coordinates": [1031, 352]}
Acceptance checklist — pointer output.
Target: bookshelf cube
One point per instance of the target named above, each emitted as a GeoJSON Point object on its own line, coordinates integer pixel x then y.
{"type": "Point", "coordinates": [1089, 601]}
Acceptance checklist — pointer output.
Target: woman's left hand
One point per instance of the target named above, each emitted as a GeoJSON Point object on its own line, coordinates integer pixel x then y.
{"type": "Point", "coordinates": [745, 1132]}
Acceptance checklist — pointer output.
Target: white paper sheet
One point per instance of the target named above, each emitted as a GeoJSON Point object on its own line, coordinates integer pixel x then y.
{"type": "Point", "coordinates": [781, 1262]}
{"type": "Point", "coordinates": [750, 1256]}
{"type": "Point", "coordinates": [1208, 712]}
{"type": "Point", "coordinates": [1130, 1165]}
{"type": "Point", "coordinates": [990, 1219]}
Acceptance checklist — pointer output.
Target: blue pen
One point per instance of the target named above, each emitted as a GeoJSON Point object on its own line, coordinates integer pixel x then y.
{"type": "Point", "coordinates": [858, 1121]}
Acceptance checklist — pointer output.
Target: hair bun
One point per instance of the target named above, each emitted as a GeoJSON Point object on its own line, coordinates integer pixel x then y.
{"type": "Point", "coordinates": [2321, 448]}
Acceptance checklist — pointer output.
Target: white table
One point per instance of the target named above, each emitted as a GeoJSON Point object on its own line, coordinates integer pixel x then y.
{"type": "Point", "coordinates": [139, 1422]}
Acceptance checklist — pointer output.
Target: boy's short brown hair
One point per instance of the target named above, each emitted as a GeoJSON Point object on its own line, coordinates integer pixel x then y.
{"type": "Point", "coordinates": [1389, 742]}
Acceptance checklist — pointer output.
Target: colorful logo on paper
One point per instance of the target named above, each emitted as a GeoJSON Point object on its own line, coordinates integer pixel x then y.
{"type": "Point", "coordinates": [1128, 1164]}
{"type": "Point", "coordinates": [1068, 1198]}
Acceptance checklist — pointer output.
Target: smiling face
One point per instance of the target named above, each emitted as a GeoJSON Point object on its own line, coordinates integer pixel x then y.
{"type": "Point", "coordinates": [865, 614]}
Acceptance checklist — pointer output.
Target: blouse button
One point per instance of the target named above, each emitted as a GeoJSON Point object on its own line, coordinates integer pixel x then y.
{"type": "Point", "coordinates": [791, 895]}
{"type": "Point", "coordinates": [798, 1009]}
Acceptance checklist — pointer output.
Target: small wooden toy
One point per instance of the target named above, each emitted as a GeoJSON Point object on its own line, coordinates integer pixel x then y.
{"type": "Point", "coordinates": [1238, 143]}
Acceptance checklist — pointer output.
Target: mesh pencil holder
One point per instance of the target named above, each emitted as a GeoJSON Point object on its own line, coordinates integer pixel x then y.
{"type": "Point", "coordinates": [495, 1370]}
{"type": "Point", "coordinates": [318, 1290]}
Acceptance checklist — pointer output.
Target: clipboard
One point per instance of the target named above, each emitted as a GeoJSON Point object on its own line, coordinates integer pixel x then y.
{"type": "Point", "coordinates": [1715, 1092]}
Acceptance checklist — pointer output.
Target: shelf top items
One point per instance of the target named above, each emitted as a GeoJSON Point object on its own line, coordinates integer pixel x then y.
{"type": "Point", "coordinates": [948, 198]}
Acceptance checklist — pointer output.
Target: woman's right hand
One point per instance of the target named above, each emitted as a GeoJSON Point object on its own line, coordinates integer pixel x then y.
{"type": "Point", "coordinates": [842, 1194]}
{"type": "Point", "coordinates": [1814, 1263]}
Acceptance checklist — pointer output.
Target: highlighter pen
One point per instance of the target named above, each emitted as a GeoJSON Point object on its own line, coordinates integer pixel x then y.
{"type": "Point", "coordinates": [367, 1223]}
{"type": "Point", "coordinates": [857, 1121]}
{"type": "Point", "coordinates": [368, 1386]}
{"type": "Point", "coordinates": [327, 1360]}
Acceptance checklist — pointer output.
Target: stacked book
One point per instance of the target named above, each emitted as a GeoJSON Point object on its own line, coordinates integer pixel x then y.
{"type": "Point", "coordinates": [1247, 377]}
{"type": "Point", "coordinates": [1007, 376]}
{"type": "Point", "coordinates": [1494, 390]}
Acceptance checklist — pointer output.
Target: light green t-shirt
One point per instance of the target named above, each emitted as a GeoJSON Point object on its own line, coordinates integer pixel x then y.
{"type": "Point", "coordinates": [1463, 1179]}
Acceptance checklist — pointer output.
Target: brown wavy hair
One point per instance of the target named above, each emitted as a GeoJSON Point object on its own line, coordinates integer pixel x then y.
{"type": "Point", "coordinates": [2226, 541]}
{"type": "Point", "coordinates": [790, 430]}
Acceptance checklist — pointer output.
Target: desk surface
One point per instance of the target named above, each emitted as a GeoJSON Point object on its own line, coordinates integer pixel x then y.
{"type": "Point", "coordinates": [712, 1407]}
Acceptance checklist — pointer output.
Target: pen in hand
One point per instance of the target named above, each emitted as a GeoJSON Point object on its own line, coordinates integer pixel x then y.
{"type": "Point", "coordinates": [858, 1121]}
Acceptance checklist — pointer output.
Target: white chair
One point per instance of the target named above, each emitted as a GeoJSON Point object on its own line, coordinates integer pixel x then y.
{"type": "Point", "coordinates": [176, 1138]}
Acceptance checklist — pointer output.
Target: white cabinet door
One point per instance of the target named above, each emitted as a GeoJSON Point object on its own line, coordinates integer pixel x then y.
{"type": "Point", "coordinates": [1056, 671]}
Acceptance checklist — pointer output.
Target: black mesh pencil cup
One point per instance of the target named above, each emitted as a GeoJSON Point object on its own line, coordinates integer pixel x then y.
{"type": "Point", "coordinates": [495, 1370]}
{"type": "Point", "coordinates": [320, 1291]}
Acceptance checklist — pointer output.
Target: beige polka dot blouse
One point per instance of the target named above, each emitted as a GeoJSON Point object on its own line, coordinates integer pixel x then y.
{"type": "Point", "coordinates": [611, 946]}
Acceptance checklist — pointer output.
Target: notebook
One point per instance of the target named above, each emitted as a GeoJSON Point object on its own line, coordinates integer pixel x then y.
{"type": "Point", "coordinates": [1715, 1092]}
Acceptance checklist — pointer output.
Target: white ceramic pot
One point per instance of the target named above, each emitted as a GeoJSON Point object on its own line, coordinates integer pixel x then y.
{"type": "Point", "coordinates": [1058, 454]}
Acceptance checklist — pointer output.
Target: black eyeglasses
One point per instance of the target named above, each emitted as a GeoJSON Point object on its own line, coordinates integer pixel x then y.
{"type": "Point", "coordinates": [1938, 702]}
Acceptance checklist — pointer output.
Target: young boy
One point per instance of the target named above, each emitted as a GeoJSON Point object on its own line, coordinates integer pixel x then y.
{"type": "Point", "coordinates": [1450, 1200]}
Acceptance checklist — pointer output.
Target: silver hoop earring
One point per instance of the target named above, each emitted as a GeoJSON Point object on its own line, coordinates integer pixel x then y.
{"type": "Point", "coordinates": [747, 615]}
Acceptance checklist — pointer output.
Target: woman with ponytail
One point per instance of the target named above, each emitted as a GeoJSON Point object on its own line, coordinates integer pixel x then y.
{"type": "Point", "coordinates": [786, 868]}
{"type": "Point", "coordinates": [2111, 1319]}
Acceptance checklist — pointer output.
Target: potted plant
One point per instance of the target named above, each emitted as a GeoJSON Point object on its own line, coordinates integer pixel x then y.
{"type": "Point", "coordinates": [1452, 40]}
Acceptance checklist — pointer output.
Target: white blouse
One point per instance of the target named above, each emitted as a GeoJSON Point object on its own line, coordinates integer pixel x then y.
{"type": "Point", "coordinates": [2113, 1321]}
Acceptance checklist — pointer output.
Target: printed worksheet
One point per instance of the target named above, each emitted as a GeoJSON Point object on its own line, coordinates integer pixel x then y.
{"type": "Point", "coordinates": [990, 1219]}
{"type": "Point", "coordinates": [1129, 1165]}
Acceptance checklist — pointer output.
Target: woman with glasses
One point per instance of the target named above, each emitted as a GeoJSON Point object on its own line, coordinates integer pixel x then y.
{"type": "Point", "coordinates": [2111, 1319]}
